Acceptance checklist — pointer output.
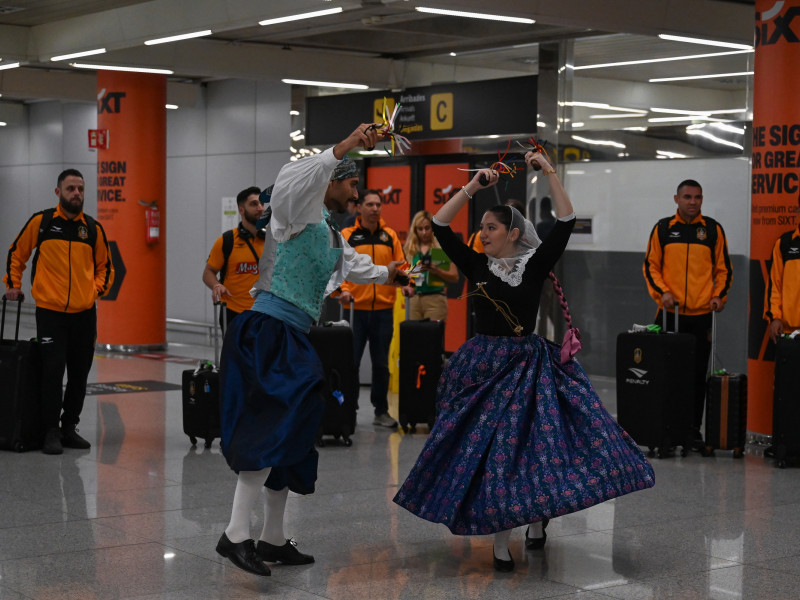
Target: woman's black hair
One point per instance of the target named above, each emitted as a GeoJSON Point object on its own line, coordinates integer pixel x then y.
{"type": "Point", "coordinates": [502, 213]}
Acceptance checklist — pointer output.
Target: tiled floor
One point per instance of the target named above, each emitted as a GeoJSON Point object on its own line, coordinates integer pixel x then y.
{"type": "Point", "coordinates": [139, 514]}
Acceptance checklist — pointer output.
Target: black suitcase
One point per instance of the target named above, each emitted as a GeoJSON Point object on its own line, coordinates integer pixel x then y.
{"type": "Point", "coordinates": [21, 426]}
{"type": "Point", "coordinates": [655, 389]}
{"type": "Point", "coordinates": [421, 360]}
{"type": "Point", "coordinates": [200, 391]}
{"type": "Point", "coordinates": [786, 402]}
{"type": "Point", "coordinates": [334, 346]}
{"type": "Point", "coordinates": [726, 407]}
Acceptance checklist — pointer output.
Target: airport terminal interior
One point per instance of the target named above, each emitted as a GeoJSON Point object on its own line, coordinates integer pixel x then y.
{"type": "Point", "coordinates": [628, 113]}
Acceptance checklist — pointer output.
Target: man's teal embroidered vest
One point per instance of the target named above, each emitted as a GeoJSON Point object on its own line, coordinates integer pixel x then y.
{"type": "Point", "coordinates": [303, 267]}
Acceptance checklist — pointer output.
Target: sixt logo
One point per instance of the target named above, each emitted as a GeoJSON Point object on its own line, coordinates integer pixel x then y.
{"type": "Point", "coordinates": [442, 195]}
{"type": "Point", "coordinates": [772, 27]}
{"type": "Point", "coordinates": [110, 102]}
{"type": "Point", "coordinates": [639, 374]}
{"type": "Point", "coordinates": [389, 195]}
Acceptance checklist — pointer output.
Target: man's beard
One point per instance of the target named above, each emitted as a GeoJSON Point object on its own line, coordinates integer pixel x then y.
{"type": "Point", "coordinates": [252, 219]}
{"type": "Point", "coordinates": [69, 205]}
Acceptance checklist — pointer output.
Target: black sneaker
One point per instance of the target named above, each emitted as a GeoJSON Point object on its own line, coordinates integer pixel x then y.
{"type": "Point", "coordinates": [243, 555]}
{"type": "Point", "coordinates": [71, 439]}
{"type": "Point", "coordinates": [288, 554]}
{"type": "Point", "coordinates": [52, 442]}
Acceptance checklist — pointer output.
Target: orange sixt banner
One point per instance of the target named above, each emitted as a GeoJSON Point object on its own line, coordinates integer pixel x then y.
{"type": "Point", "coordinates": [775, 168]}
{"type": "Point", "coordinates": [131, 195]}
{"type": "Point", "coordinates": [441, 183]}
{"type": "Point", "coordinates": [394, 186]}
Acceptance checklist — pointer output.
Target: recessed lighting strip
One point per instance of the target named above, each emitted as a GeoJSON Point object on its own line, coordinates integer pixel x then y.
{"type": "Point", "coordinates": [308, 15]}
{"type": "Point", "coordinates": [348, 86]}
{"type": "Point", "coordinates": [177, 38]}
{"type": "Point", "coordinates": [13, 65]}
{"type": "Point", "coordinates": [474, 15]}
{"type": "Point", "coordinates": [658, 60]}
{"type": "Point", "coordinates": [121, 68]}
{"type": "Point", "coordinates": [680, 38]}
{"type": "Point", "coordinates": [688, 77]}
{"type": "Point", "coordinates": [78, 54]}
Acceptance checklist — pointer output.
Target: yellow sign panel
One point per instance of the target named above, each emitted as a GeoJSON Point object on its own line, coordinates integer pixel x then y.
{"type": "Point", "coordinates": [441, 111]}
{"type": "Point", "coordinates": [377, 109]}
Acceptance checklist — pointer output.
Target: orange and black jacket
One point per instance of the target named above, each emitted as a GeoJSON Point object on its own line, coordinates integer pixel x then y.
{"type": "Point", "coordinates": [383, 246]}
{"type": "Point", "coordinates": [689, 260]}
{"type": "Point", "coordinates": [68, 274]}
{"type": "Point", "coordinates": [783, 291]}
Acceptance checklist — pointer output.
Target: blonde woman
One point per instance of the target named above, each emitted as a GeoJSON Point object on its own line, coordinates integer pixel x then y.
{"type": "Point", "coordinates": [428, 300]}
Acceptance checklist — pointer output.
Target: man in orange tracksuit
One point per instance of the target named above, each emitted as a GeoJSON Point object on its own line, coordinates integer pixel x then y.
{"type": "Point", "coordinates": [373, 318]}
{"type": "Point", "coordinates": [687, 264]}
{"type": "Point", "coordinates": [782, 302]}
{"type": "Point", "coordinates": [71, 270]}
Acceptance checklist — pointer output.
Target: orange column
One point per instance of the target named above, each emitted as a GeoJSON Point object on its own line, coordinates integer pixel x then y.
{"type": "Point", "coordinates": [776, 143]}
{"type": "Point", "coordinates": [131, 203]}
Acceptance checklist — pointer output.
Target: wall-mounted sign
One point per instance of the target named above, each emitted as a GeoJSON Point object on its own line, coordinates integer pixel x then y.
{"type": "Point", "coordinates": [98, 138]}
{"type": "Point", "coordinates": [496, 107]}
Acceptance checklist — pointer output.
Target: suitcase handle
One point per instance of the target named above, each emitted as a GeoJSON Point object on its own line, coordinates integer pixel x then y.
{"type": "Point", "coordinates": [220, 318]}
{"type": "Point", "coordinates": [3, 322]}
{"type": "Point", "coordinates": [664, 318]}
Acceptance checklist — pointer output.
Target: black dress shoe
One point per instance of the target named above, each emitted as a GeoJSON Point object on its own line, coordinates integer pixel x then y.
{"type": "Point", "coordinates": [71, 439]}
{"type": "Point", "coordinates": [52, 442]}
{"type": "Point", "coordinates": [504, 566]}
{"type": "Point", "coordinates": [243, 555]}
{"type": "Point", "coordinates": [537, 543]}
{"type": "Point", "coordinates": [288, 554]}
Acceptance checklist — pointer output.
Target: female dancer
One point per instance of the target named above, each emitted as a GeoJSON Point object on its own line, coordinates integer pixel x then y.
{"type": "Point", "coordinates": [520, 437]}
{"type": "Point", "coordinates": [428, 299]}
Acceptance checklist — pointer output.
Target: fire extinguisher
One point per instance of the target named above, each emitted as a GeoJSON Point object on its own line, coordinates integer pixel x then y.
{"type": "Point", "coordinates": [152, 221]}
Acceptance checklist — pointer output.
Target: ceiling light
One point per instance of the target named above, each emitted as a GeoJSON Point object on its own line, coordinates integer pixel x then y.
{"type": "Point", "coordinates": [694, 117]}
{"type": "Point", "coordinates": [680, 38]}
{"type": "Point", "coordinates": [714, 138]}
{"type": "Point", "coordinates": [657, 60]}
{"type": "Point", "coordinates": [175, 38]}
{"type": "Point", "coordinates": [728, 128]}
{"type": "Point", "coordinates": [619, 116]}
{"type": "Point", "coordinates": [3, 123]}
{"type": "Point", "coordinates": [294, 113]}
{"type": "Point", "coordinates": [473, 15]}
{"type": "Point", "coordinates": [668, 154]}
{"type": "Point", "coordinates": [308, 15]}
{"type": "Point", "coordinates": [578, 124]}
{"type": "Point", "coordinates": [171, 106]}
{"type": "Point", "coordinates": [712, 76]}
{"type": "Point", "coordinates": [634, 129]}
{"type": "Point", "coordinates": [604, 106]}
{"type": "Point", "coordinates": [79, 54]}
{"type": "Point", "coordinates": [598, 142]}
{"type": "Point", "coordinates": [452, 54]}
{"type": "Point", "coordinates": [348, 86]}
{"type": "Point", "coordinates": [119, 68]}
{"type": "Point", "coordinates": [13, 65]}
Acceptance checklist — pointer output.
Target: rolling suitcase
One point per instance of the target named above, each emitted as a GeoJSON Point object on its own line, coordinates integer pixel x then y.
{"type": "Point", "coordinates": [334, 345]}
{"type": "Point", "coordinates": [200, 391]}
{"type": "Point", "coordinates": [21, 426]}
{"type": "Point", "coordinates": [655, 388]}
{"type": "Point", "coordinates": [726, 406]}
{"type": "Point", "coordinates": [786, 401]}
{"type": "Point", "coordinates": [421, 361]}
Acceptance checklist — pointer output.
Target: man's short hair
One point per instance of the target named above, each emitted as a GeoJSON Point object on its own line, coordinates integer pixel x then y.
{"type": "Point", "coordinates": [242, 196]}
{"type": "Point", "coordinates": [369, 192]}
{"type": "Point", "coordinates": [690, 183]}
{"type": "Point", "coordinates": [68, 173]}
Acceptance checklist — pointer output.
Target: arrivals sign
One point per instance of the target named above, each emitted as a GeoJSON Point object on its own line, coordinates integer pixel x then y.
{"type": "Point", "coordinates": [496, 107]}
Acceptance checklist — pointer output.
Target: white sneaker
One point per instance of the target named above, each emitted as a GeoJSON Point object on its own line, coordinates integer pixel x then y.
{"type": "Point", "coordinates": [384, 420]}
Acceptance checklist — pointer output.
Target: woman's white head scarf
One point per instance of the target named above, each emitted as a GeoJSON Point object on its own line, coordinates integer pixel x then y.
{"type": "Point", "coordinates": [510, 268]}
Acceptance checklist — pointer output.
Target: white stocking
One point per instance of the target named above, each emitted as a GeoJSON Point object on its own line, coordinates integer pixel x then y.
{"type": "Point", "coordinates": [274, 509]}
{"type": "Point", "coordinates": [248, 488]}
{"type": "Point", "coordinates": [501, 544]}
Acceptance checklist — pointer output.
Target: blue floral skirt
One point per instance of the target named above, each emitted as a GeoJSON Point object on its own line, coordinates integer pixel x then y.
{"type": "Point", "coordinates": [272, 401]}
{"type": "Point", "coordinates": [518, 437]}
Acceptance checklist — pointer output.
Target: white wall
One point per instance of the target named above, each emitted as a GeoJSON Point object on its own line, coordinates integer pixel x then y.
{"type": "Point", "coordinates": [236, 135]}
{"type": "Point", "coordinates": [625, 199]}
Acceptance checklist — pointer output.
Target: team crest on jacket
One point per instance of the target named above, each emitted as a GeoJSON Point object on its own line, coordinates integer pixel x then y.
{"type": "Point", "coordinates": [83, 232]}
{"type": "Point", "coordinates": [637, 355]}
{"type": "Point", "coordinates": [384, 236]}
{"type": "Point", "coordinates": [702, 234]}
